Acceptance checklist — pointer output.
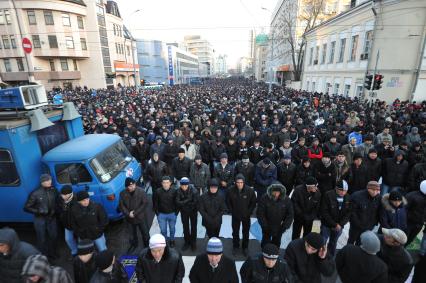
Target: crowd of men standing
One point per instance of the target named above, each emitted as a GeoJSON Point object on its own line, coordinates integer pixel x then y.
{"type": "Point", "coordinates": [230, 147]}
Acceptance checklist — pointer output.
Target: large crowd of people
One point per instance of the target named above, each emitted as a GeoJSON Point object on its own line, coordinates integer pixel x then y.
{"type": "Point", "coordinates": [229, 146]}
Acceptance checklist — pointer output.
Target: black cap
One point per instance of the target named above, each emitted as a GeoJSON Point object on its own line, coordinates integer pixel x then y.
{"type": "Point", "coordinates": [129, 181]}
{"type": "Point", "coordinates": [166, 178]}
{"type": "Point", "coordinates": [213, 183]}
{"type": "Point", "coordinates": [104, 259]}
{"type": "Point", "coordinates": [81, 195]}
{"type": "Point", "coordinates": [240, 177]}
{"type": "Point", "coordinates": [357, 156]}
{"type": "Point", "coordinates": [224, 155]}
{"type": "Point", "coordinates": [310, 181]}
{"type": "Point", "coordinates": [66, 190]}
{"type": "Point", "coordinates": [395, 195]}
{"type": "Point", "coordinates": [181, 150]}
{"type": "Point", "coordinates": [315, 240]}
{"type": "Point", "coordinates": [266, 161]}
{"type": "Point", "coordinates": [85, 246]}
{"type": "Point", "coordinates": [198, 157]}
{"type": "Point", "coordinates": [270, 251]}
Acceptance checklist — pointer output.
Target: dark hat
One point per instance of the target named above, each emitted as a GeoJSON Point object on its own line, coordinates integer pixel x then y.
{"type": "Point", "coordinates": [81, 195]}
{"type": "Point", "coordinates": [395, 195]}
{"type": "Point", "coordinates": [310, 181]}
{"type": "Point", "coordinates": [224, 155]}
{"type": "Point", "coordinates": [198, 157]}
{"type": "Point", "coordinates": [213, 183]}
{"type": "Point", "coordinates": [342, 185]}
{"type": "Point", "coordinates": [270, 145]}
{"type": "Point", "coordinates": [141, 139]}
{"type": "Point", "coordinates": [129, 181]}
{"type": "Point", "coordinates": [66, 190]}
{"type": "Point", "coordinates": [245, 157]}
{"type": "Point", "coordinates": [240, 177]}
{"type": "Point", "coordinates": [372, 150]}
{"type": "Point", "coordinates": [166, 178]}
{"type": "Point", "coordinates": [368, 138]}
{"type": "Point", "coordinates": [357, 156]}
{"type": "Point", "coordinates": [315, 240]}
{"type": "Point", "coordinates": [158, 138]}
{"type": "Point", "coordinates": [104, 259]}
{"type": "Point", "coordinates": [85, 246]}
{"type": "Point", "coordinates": [170, 138]}
{"type": "Point", "coordinates": [266, 161]}
{"type": "Point", "coordinates": [326, 155]}
{"type": "Point", "coordinates": [184, 181]}
{"type": "Point", "coordinates": [287, 156]}
{"type": "Point", "coordinates": [270, 251]}
{"type": "Point", "coordinates": [181, 150]}
{"type": "Point", "coordinates": [45, 177]}
{"type": "Point", "coordinates": [305, 159]}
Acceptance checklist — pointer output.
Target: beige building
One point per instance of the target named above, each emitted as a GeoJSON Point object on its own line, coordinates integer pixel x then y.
{"type": "Point", "coordinates": [342, 50]}
{"type": "Point", "coordinates": [203, 49]}
{"type": "Point", "coordinates": [73, 44]}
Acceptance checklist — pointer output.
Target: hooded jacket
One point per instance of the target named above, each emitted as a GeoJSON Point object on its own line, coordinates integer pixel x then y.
{"type": "Point", "coordinates": [83, 271]}
{"type": "Point", "coordinates": [39, 265]}
{"type": "Point", "coordinates": [12, 263]}
{"type": "Point", "coordinates": [413, 136]}
{"type": "Point", "coordinates": [416, 208]}
{"type": "Point", "coordinates": [393, 217]}
{"type": "Point", "coordinates": [273, 215]}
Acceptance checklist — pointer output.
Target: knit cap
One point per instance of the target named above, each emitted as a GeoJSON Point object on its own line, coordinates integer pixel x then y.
{"type": "Point", "coordinates": [270, 251]}
{"type": "Point", "coordinates": [214, 246]}
{"type": "Point", "coordinates": [157, 241]}
{"type": "Point", "coordinates": [104, 259]}
{"type": "Point", "coordinates": [370, 243]}
{"type": "Point", "coordinates": [85, 246]}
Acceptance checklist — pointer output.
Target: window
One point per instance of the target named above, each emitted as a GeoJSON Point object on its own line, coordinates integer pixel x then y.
{"type": "Point", "coordinates": [336, 88]}
{"type": "Point", "coordinates": [116, 48]}
{"type": "Point", "coordinates": [13, 41]}
{"type": "Point", "coordinates": [316, 55]}
{"type": "Point", "coordinates": [31, 17]}
{"type": "Point", "coordinates": [6, 42]}
{"type": "Point", "coordinates": [48, 18]}
{"type": "Point", "coordinates": [8, 173]}
{"type": "Point", "coordinates": [72, 173]}
{"type": "Point", "coordinates": [53, 41]}
{"type": "Point", "coordinates": [347, 89]}
{"type": "Point", "coordinates": [324, 53]}
{"type": "Point", "coordinates": [354, 47]}
{"type": "Point", "coordinates": [52, 136]}
{"type": "Point", "coordinates": [64, 64]}
{"type": "Point", "coordinates": [74, 62]}
{"type": "Point", "coordinates": [69, 41]}
{"type": "Point", "coordinates": [342, 50]}
{"type": "Point", "coordinates": [332, 48]}
{"type": "Point", "coordinates": [2, 21]}
{"type": "Point", "coordinates": [311, 55]}
{"type": "Point", "coordinates": [66, 20]}
{"type": "Point", "coordinates": [0, 45]}
{"type": "Point", "coordinates": [7, 17]}
{"type": "Point", "coordinates": [36, 41]}
{"type": "Point", "coordinates": [367, 42]}
{"type": "Point", "coordinates": [128, 50]}
{"type": "Point", "coordinates": [313, 86]}
{"type": "Point", "coordinates": [80, 22]}
{"type": "Point", "coordinates": [115, 29]}
{"type": "Point", "coordinates": [20, 64]}
{"type": "Point", "coordinates": [52, 65]}
{"type": "Point", "coordinates": [7, 65]}
{"type": "Point", "coordinates": [83, 44]}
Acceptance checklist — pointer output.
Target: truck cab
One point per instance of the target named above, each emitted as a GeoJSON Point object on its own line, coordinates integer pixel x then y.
{"type": "Point", "coordinates": [37, 138]}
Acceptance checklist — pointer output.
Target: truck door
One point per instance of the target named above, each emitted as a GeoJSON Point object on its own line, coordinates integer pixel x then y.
{"type": "Point", "coordinates": [77, 175]}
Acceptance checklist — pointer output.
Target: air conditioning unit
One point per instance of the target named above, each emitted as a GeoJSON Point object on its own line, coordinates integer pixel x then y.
{"type": "Point", "coordinates": [364, 56]}
{"type": "Point", "coordinates": [315, 62]}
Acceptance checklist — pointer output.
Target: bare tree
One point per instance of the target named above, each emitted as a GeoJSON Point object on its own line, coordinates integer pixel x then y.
{"type": "Point", "coordinates": [294, 22]}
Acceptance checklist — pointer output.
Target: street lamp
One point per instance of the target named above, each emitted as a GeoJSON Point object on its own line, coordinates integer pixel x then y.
{"type": "Point", "coordinates": [272, 55]}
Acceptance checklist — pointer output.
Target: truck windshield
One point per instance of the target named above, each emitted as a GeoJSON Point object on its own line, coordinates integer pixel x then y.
{"type": "Point", "coordinates": [110, 162]}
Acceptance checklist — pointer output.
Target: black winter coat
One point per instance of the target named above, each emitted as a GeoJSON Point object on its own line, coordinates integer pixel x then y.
{"type": "Point", "coordinates": [170, 269]}
{"type": "Point", "coordinates": [307, 268]}
{"type": "Point", "coordinates": [142, 152]}
{"type": "Point", "coordinates": [42, 202]}
{"type": "Point", "coordinates": [302, 173]}
{"type": "Point", "coordinates": [224, 173]}
{"type": "Point", "coordinates": [212, 207]}
{"type": "Point", "coordinates": [202, 272]}
{"type": "Point", "coordinates": [357, 178]}
{"type": "Point", "coordinates": [247, 171]}
{"type": "Point", "coordinates": [12, 263]}
{"type": "Point", "coordinates": [374, 168]}
{"type": "Point", "coordinates": [286, 174]}
{"type": "Point", "coordinates": [83, 271]}
{"type": "Point", "coordinates": [331, 215]}
{"type": "Point", "coordinates": [365, 210]}
{"type": "Point", "coordinates": [241, 203]}
{"type": "Point", "coordinates": [255, 154]}
{"type": "Point", "coordinates": [137, 203]}
{"type": "Point", "coordinates": [88, 222]}
{"type": "Point", "coordinates": [306, 205]}
{"type": "Point", "coordinates": [64, 210]}
{"type": "Point", "coordinates": [298, 153]}
{"type": "Point", "coordinates": [117, 275]}
{"type": "Point", "coordinates": [355, 265]}
{"type": "Point", "coordinates": [326, 177]}
{"type": "Point", "coordinates": [416, 207]}
{"type": "Point", "coordinates": [254, 270]}
{"type": "Point", "coordinates": [181, 168]}
{"type": "Point", "coordinates": [170, 153]}
{"type": "Point", "coordinates": [417, 175]}
{"type": "Point", "coordinates": [164, 201]}
{"type": "Point", "coordinates": [154, 173]}
{"type": "Point", "coordinates": [187, 201]}
{"type": "Point", "coordinates": [395, 174]}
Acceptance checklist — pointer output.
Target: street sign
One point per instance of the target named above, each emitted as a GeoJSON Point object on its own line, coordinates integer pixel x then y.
{"type": "Point", "coordinates": [27, 45]}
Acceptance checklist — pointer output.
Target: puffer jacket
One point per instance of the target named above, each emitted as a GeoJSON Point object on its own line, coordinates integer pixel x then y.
{"type": "Point", "coordinates": [393, 217]}
{"type": "Point", "coordinates": [42, 202]}
{"type": "Point", "coordinates": [39, 265]}
{"type": "Point", "coordinates": [273, 215]}
{"type": "Point", "coordinates": [199, 175]}
{"type": "Point", "coordinates": [12, 263]}
{"type": "Point", "coordinates": [88, 222]}
{"type": "Point", "coordinates": [306, 205]}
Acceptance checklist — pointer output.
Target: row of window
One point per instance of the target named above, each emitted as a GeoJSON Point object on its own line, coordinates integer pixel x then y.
{"type": "Point", "coordinates": [118, 30]}
{"type": "Point", "coordinates": [8, 42]}
{"type": "Point", "coordinates": [49, 20]}
{"type": "Point", "coordinates": [53, 42]}
{"type": "Point", "coordinates": [8, 64]}
{"type": "Point", "coordinates": [314, 59]}
{"type": "Point", "coordinates": [119, 49]}
{"type": "Point", "coordinates": [5, 17]}
{"type": "Point", "coordinates": [64, 65]}
{"type": "Point", "coordinates": [335, 89]}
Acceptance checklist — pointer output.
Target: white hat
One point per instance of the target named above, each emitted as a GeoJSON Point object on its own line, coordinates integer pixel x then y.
{"type": "Point", "coordinates": [396, 234]}
{"type": "Point", "coordinates": [423, 187]}
{"type": "Point", "coordinates": [157, 241]}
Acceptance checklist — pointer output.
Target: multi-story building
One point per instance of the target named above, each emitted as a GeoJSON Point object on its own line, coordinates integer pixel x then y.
{"type": "Point", "coordinates": [373, 36]}
{"type": "Point", "coordinates": [69, 38]}
{"type": "Point", "coordinates": [288, 22]}
{"type": "Point", "coordinates": [183, 66]}
{"type": "Point", "coordinates": [152, 59]}
{"type": "Point", "coordinates": [203, 50]}
{"type": "Point", "coordinates": [221, 64]}
{"type": "Point", "coordinates": [260, 57]}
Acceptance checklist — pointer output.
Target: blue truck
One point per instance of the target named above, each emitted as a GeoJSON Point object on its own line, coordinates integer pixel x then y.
{"type": "Point", "coordinates": [37, 138]}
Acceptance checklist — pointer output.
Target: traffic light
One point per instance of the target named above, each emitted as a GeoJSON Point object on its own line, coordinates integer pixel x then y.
{"type": "Point", "coordinates": [378, 80]}
{"type": "Point", "coordinates": [368, 81]}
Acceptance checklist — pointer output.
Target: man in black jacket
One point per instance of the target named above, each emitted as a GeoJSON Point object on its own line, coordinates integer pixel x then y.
{"type": "Point", "coordinates": [187, 198]}
{"type": "Point", "coordinates": [65, 203]}
{"type": "Point", "coordinates": [286, 173]}
{"type": "Point", "coordinates": [164, 205]}
{"type": "Point", "coordinates": [84, 264]}
{"type": "Point", "coordinates": [373, 165]}
{"type": "Point", "coordinates": [306, 204]}
{"type": "Point", "coordinates": [142, 151]}
{"type": "Point", "coordinates": [308, 259]}
{"type": "Point", "coordinates": [255, 152]}
{"type": "Point", "coordinates": [159, 263]}
{"type": "Point", "coordinates": [241, 203]}
{"type": "Point", "coordinates": [393, 253]}
{"type": "Point", "coordinates": [213, 266]}
{"type": "Point", "coordinates": [89, 220]}
{"type": "Point", "coordinates": [416, 211]}
{"type": "Point", "coordinates": [365, 211]}
{"type": "Point", "coordinates": [13, 254]}
{"type": "Point", "coordinates": [42, 202]}
{"type": "Point", "coordinates": [155, 171]}
{"type": "Point", "coordinates": [335, 213]}
{"type": "Point", "coordinates": [108, 269]}
{"type": "Point", "coordinates": [181, 165]}
{"type": "Point", "coordinates": [274, 213]}
{"type": "Point", "coordinates": [247, 169]}
{"type": "Point", "coordinates": [212, 207]}
{"type": "Point", "coordinates": [224, 173]}
{"type": "Point", "coordinates": [265, 268]}
{"type": "Point", "coordinates": [357, 175]}
{"type": "Point", "coordinates": [133, 203]}
{"type": "Point", "coordinates": [325, 173]}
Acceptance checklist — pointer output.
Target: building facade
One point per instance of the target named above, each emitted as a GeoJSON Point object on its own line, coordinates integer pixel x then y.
{"type": "Point", "coordinates": [183, 66]}
{"type": "Point", "coordinates": [260, 57]}
{"type": "Point", "coordinates": [221, 64]}
{"type": "Point", "coordinates": [70, 43]}
{"type": "Point", "coordinates": [203, 50]}
{"type": "Point", "coordinates": [152, 59]}
{"type": "Point", "coordinates": [370, 36]}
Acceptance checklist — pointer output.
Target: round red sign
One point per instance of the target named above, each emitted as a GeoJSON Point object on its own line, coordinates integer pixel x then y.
{"type": "Point", "coordinates": [27, 45]}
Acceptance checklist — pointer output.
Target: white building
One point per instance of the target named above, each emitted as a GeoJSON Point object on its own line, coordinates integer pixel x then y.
{"type": "Point", "coordinates": [203, 50]}
{"type": "Point", "coordinates": [341, 51]}
{"type": "Point", "coordinates": [221, 64]}
{"type": "Point", "coordinates": [183, 66]}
